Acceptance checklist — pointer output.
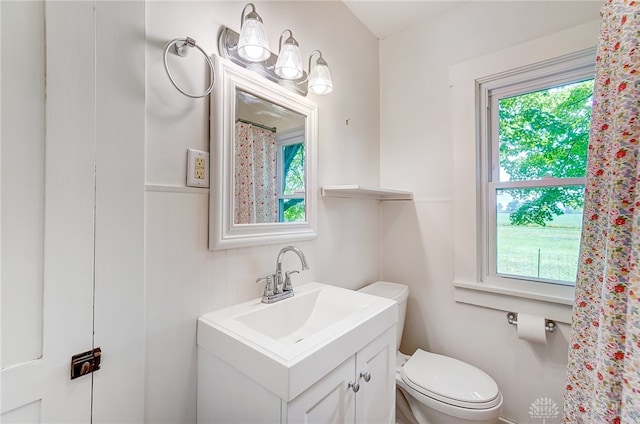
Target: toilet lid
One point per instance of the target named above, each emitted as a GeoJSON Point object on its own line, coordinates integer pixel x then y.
{"type": "Point", "coordinates": [450, 380]}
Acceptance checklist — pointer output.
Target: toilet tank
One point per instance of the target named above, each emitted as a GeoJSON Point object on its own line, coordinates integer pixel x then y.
{"type": "Point", "coordinates": [395, 291]}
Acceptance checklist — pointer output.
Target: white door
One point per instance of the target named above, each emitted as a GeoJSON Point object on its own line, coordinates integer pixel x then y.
{"type": "Point", "coordinates": [47, 208]}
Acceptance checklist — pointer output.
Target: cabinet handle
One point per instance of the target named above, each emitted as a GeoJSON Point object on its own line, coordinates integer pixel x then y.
{"type": "Point", "coordinates": [366, 376]}
{"type": "Point", "coordinates": [355, 386]}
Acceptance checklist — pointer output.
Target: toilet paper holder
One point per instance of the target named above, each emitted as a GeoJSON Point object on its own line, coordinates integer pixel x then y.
{"type": "Point", "coordinates": [549, 325]}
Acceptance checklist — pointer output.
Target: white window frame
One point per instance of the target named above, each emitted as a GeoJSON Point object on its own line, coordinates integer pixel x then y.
{"type": "Point", "coordinates": [553, 301]}
{"type": "Point", "coordinates": [557, 72]}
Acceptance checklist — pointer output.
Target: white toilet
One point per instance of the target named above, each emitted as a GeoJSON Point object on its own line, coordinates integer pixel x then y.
{"type": "Point", "coordinates": [436, 389]}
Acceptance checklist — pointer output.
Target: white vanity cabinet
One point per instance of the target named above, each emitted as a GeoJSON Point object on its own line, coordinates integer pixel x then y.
{"type": "Point", "coordinates": [325, 355]}
{"type": "Point", "coordinates": [333, 399]}
{"type": "Point", "coordinates": [225, 395]}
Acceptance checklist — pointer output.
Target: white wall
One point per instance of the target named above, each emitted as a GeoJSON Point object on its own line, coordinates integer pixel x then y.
{"type": "Point", "coordinates": [183, 278]}
{"type": "Point", "coordinates": [119, 211]}
{"type": "Point", "coordinates": [416, 153]}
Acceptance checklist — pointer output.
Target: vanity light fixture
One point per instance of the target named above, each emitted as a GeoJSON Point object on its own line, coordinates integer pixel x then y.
{"type": "Point", "coordinates": [319, 76]}
{"type": "Point", "coordinates": [289, 63]}
{"type": "Point", "coordinates": [253, 44]}
{"type": "Point", "coordinates": [284, 68]}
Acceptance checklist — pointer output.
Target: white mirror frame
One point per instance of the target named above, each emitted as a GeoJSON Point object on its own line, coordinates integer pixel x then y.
{"type": "Point", "coordinates": [223, 232]}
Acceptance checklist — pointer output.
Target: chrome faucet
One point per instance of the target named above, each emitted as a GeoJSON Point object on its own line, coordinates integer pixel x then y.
{"type": "Point", "coordinates": [276, 289]}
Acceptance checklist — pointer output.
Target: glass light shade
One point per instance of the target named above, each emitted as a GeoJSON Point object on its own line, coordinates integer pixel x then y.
{"type": "Point", "coordinates": [289, 64]}
{"type": "Point", "coordinates": [253, 44]}
{"type": "Point", "coordinates": [320, 78]}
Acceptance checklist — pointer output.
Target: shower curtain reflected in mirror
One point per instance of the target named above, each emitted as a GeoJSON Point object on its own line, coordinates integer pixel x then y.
{"type": "Point", "coordinates": [255, 192]}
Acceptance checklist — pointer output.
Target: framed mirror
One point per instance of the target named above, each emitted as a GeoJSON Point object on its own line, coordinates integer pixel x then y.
{"type": "Point", "coordinates": [263, 161]}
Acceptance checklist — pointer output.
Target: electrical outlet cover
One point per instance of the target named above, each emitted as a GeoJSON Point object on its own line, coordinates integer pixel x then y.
{"type": "Point", "coordinates": [197, 168]}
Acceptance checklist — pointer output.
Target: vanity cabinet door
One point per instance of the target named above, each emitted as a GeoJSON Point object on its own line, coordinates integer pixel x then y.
{"type": "Point", "coordinates": [330, 400]}
{"type": "Point", "coordinates": [375, 401]}
{"type": "Point", "coordinates": [333, 400]}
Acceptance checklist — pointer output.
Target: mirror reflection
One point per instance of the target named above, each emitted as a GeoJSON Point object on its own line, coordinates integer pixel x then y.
{"type": "Point", "coordinates": [269, 162]}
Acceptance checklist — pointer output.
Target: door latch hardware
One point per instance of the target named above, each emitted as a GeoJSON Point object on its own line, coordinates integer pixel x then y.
{"type": "Point", "coordinates": [85, 363]}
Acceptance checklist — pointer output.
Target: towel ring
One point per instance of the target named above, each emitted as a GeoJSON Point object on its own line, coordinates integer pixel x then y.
{"type": "Point", "coordinates": [182, 46]}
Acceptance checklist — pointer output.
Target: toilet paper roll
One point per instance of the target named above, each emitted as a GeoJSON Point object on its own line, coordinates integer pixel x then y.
{"type": "Point", "coordinates": [531, 328]}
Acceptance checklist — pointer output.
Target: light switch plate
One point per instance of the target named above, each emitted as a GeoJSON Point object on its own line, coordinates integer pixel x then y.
{"type": "Point", "coordinates": [197, 168]}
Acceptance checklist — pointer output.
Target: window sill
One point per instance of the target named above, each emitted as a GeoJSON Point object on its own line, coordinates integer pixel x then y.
{"type": "Point", "coordinates": [555, 304]}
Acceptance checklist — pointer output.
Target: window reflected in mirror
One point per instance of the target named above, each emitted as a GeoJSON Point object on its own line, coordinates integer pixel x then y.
{"type": "Point", "coordinates": [290, 175]}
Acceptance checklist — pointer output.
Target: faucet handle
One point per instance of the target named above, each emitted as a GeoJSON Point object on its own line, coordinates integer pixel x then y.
{"type": "Point", "coordinates": [287, 280]}
{"type": "Point", "coordinates": [268, 288]}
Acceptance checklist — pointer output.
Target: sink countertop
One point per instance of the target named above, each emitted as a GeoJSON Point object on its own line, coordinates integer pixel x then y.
{"type": "Point", "coordinates": [288, 368]}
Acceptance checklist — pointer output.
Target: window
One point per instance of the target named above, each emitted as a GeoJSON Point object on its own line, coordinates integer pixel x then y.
{"type": "Point", "coordinates": [534, 138]}
{"type": "Point", "coordinates": [551, 61]}
{"type": "Point", "coordinates": [291, 182]}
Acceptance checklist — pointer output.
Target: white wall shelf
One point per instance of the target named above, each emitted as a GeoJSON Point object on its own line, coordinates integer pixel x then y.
{"type": "Point", "coordinates": [365, 192]}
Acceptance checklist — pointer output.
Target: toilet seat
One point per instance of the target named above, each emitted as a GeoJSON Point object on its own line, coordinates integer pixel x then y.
{"type": "Point", "coordinates": [450, 381]}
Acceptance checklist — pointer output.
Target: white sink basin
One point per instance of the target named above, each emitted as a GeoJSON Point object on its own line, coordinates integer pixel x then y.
{"type": "Point", "coordinates": [288, 345]}
{"type": "Point", "coordinates": [305, 315]}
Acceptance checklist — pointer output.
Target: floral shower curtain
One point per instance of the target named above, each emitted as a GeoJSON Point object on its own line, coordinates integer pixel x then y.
{"type": "Point", "coordinates": [603, 375]}
{"type": "Point", "coordinates": [256, 198]}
